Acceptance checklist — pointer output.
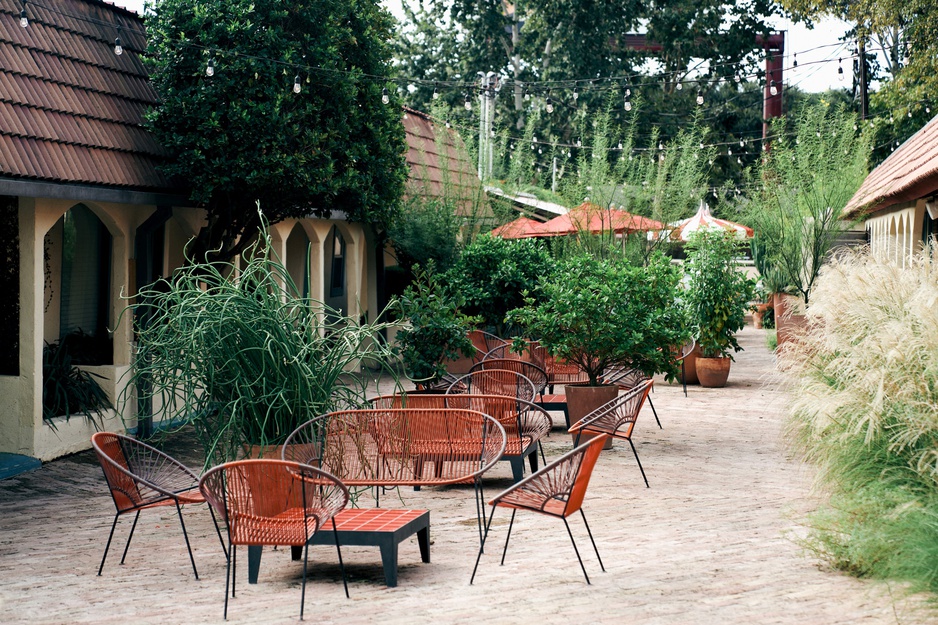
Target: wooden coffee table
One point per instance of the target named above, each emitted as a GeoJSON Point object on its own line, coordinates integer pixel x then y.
{"type": "Point", "coordinates": [374, 527]}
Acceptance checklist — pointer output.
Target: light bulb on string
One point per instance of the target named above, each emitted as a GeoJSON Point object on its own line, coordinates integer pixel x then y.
{"type": "Point", "coordinates": [436, 94]}
{"type": "Point", "coordinates": [118, 48]}
{"type": "Point", "coordinates": [385, 97]}
{"type": "Point", "coordinates": [700, 98]}
{"type": "Point", "coordinates": [628, 104]}
{"type": "Point", "coordinates": [210, 68]}
{"type": "Point", "coordinates": [909, 113]}
{"type": "Point", "coordinates": [549, 107]}
{"type": "Point", "coordinates": [737, 78]}
{"type": "Point", "coordinates": [576, 94]}
{"type": "Point", "coordinates": [773, 88]}
{"type": "Point", "coordinates": [840, 70]}
{"type": "Point", "coordinates": [928, 109]}
{"type": "Point", "coordinates": [24, 21]}
{"type": "Point", "coordinates": [742, 143]}
{"type": "Point", "coordinates": [620, 145]}
{"type": "Point", "coordinates": [795, 64]}
{"type": "Point", "coordinates": [679, 86]}
{"type": "Point", "coordinates": [296, 84]}
{"type": "Point", "coordinates": [579, 143]}
{"type": "Point", "coordinates": [468, 102]}
{"type": "Point", "coordinates": [729, 151]}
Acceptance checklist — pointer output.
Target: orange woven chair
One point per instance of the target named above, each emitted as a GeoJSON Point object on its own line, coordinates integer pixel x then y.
{"type": "Point", "coordinates": [557, 490]}
{"type": "Point", "coordinates": [273, 502]}
{"type": "Point", "coordinates": [139, 477]}
{"type": "Point", "coordinates": [616, 419]}
{"type": "Point", "coordinates": [484, 342]}
{"type": "Point", "coordinates": [559, 372]}
{"type": "Point", "coordinates": [525, 423]}
{"type": "Point", "coordinates": [627, 379]}
{"type": "Point", "coordinates": [531, 371]}
{"type": "Point", "coordinates": [494, 382]}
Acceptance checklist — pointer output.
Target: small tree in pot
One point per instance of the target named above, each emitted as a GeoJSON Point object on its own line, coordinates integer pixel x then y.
{"type": "Point", "coordinates": [717, 299]}
{"type": "Point", "coordinates": [601, 314]}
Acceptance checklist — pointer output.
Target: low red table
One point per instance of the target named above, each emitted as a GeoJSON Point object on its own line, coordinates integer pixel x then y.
{"type": "Point", "coordinates": [374, 527]}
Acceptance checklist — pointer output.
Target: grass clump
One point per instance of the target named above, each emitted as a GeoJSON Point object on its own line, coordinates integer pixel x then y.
{"type": "Point", "coordinates": [865, 412]}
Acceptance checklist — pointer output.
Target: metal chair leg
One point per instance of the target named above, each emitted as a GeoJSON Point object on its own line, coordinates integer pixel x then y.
{"type": "Point", "coordinates": [639, 462]}
{"type": "Point", "coordinates": [510, 525]}
{"type": "Point", "coordinates": [186, 536]}
{"type": "Point", "coordinates": [108, 546]}
{"type": "Point", "coordinates": [228, 584]}
{"type": "Point", "coordinates": [218, 531]}
{"type": "Point", "coordinates": [583, 514]}
{"type": "Point", "coordinates": [567, 525]}
{"type": "Point", "coordinates": [684, 378]}
{"type": "Point", "coordinates": [488, 524]}
{"type": "Point", "coordinates": [129, 538]}
{"type": "Point", "coordinates": [654, 412]}
{"type": "Point", "coordinates": [303, 591]}
{"type": "Point", "coordinates": [335, 533]}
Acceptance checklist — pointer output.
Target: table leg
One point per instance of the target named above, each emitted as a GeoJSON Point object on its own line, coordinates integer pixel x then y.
{"type": "Point", "coordinates": [254, 562]}
{"type": "Point", "coordinates": [389, 560]}
{"type": "Point", "coordinates": [423, 539]}
{"type": "Point", "coordinates": [296, 552]}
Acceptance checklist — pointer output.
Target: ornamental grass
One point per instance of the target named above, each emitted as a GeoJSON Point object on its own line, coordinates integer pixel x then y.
{"type": "Point", "coordinates": [865, 413]}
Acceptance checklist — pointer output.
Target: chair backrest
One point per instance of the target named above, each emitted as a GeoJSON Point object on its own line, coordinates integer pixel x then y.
{"type": "Point", "coordinates": [495, 382]}
{"type": "Point", "coordinates": [519, 418]}
{"type": "Point", "coordinates": [686, 349]}
{"type": "Point", "coordinates": [611, 416]}
{"type": "Point", "coordinates": [484, 342]}
{"type": "Point", "coordinates": [402, 446]}
{"type": "Point", "coordinates": [272, 502]}
{"type": "Point", "coordinates": [138, 474]}
{"type": "Point", "coordinates": [559, 487]}
{"type": "Point", "coordinates": [533, 372]}
{"type": "Point", "coordinates": [625, 378]}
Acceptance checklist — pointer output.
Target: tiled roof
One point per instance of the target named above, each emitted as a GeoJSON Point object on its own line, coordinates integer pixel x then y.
{"type": "Point", "coordinates": [71, 110]}
{"type": "Point", "coordinates": [438, 159]}
{"type": "Point", "coordinates": [909, 173]}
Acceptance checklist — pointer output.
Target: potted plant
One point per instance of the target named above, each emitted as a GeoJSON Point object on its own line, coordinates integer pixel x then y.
{"type": "Point", "coordinates": [717, 299]}
{"type": "Point", "coordinates": [602, 314]}
{"type": "Point", "coordinates": [238, 353]}
{"type": "Point", "coordinates": [437, 331]}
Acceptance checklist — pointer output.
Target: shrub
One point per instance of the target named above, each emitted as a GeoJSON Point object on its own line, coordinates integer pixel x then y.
{"type": "Point", "coordinates": [865, 412]}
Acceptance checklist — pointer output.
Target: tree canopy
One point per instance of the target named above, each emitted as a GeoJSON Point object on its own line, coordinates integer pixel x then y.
{"type": "Point", "coordinates": [291, 115]}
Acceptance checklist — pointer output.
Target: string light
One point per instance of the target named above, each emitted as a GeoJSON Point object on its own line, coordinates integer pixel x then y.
{"type": "Point", "coordinates": [742, 143]}
{"type": "Point", "coordinates": [679, 86]}
{"type": "Point", "coordinates": [576, 93]}
{"type": "Point", "coordinates": [24, 21]}
{"type": "Point", "coordinates": [795, 63]}
{"type": "Point", "coordinates": [210, 68]}
{"type": "Point", "coordinates": [468, 102]}
{"type": "Point", "coordinates": [118, 48]}
{"type": "Point", "coordinates": [700, 99]}
{"type": "Point", "coordinates": [840, 70]}
{"type": "Point", "coordinates": [385, 97]}
{"type": "Point", "coordinates": [436, 94]}
{"type": "Point", "coordinates": [773, 89]}
{"type": "Point", "coordinates": [296, 84]}
{"type": "Point", "coordinates": [549, 106]}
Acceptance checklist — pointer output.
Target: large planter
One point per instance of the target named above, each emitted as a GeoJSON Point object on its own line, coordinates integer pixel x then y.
{"type": "Point", "coordinates": [582, 400]}
{"type": "Point", "coordinates": [713, 372]}
{"type": "Point", "coordinates": [789, 317]}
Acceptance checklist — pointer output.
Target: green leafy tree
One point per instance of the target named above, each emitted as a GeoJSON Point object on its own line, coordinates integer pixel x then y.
{"type": "Point", "coordinates": [805, 182]}
{"type": "Point", "coordinates": [243, 134]}
{"type": "Point", "coordinates": [718, 293]}
{"type": "Point", "coordinates": [494, 274]}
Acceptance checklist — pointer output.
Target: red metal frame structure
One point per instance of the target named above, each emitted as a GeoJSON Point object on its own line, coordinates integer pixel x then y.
{"type": "Point", "coordinates": [774, 45]}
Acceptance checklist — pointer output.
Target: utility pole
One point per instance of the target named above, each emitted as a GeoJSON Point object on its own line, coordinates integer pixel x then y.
{"type": "Point", "coordinates": [488, 91]}
{"type": "Point", "coordinates": [864, 86]}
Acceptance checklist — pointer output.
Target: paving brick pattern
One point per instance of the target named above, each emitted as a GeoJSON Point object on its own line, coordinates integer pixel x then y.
{"type": "Point", "coordinates": [714, 540]}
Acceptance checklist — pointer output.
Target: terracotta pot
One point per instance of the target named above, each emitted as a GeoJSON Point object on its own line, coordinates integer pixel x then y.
{"type": "Point", "coordinates": [582, 400]}
{"type": "Point", "coordinates": [690, 368]}
{"type": "Point", "coordinates": [713, 372]}
{"type": "Point", "coordinates": [789, 317]}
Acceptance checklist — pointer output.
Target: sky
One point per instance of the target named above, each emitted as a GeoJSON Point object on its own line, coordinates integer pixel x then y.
{"type": "Point", "coordinates": [813, 48]}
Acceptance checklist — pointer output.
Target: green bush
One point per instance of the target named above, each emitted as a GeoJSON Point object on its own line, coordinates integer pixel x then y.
{"type": "Point", "coordinates": [493, 275]}
{"type": "Point", "coordinates": [865, 412]}
{"type": "Point", "coordinates": [606, 313]}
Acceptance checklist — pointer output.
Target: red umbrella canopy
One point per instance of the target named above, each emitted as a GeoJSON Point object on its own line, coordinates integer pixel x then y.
{"type": "Point", "coordinates": [703, 220]}
{"type": "Point", "coordinates": [595, 219]}
{"type": "Point", "coordinates": [520, 228]}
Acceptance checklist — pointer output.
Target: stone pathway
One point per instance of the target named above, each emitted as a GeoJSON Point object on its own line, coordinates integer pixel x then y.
{"type": "Point", "coordinates": [714, 540]}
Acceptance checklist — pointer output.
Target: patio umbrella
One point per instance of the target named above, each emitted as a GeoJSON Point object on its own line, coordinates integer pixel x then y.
{"type": "Point", "coordinates": [589, 217]}
{"type": "Point", "coordinates": [520, 228]}
{"type": "Point", "coordinates": [703, 220]}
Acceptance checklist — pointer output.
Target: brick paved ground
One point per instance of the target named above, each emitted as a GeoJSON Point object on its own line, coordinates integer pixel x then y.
{"type": "Point", "coordinates": [712, 541]}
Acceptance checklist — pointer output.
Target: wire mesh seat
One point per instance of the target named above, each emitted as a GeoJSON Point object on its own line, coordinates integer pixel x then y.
{"type": "Point", "coordinates": [494, 382]}
{"type": "Point", "coordinates": [557, 490]}
{"type": "Point", "coordinates": [484, 342]}
{"type": "Point", "coordinates": [273, 502]}
{"type": "Point", "coordinates": [535, 373]}
{"type": "Point", "coordinates": [616, 418]}
{"type": "Point", "coordinates": [139, 477]}
{"type": "Point", "coordinates": [525, 423]}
